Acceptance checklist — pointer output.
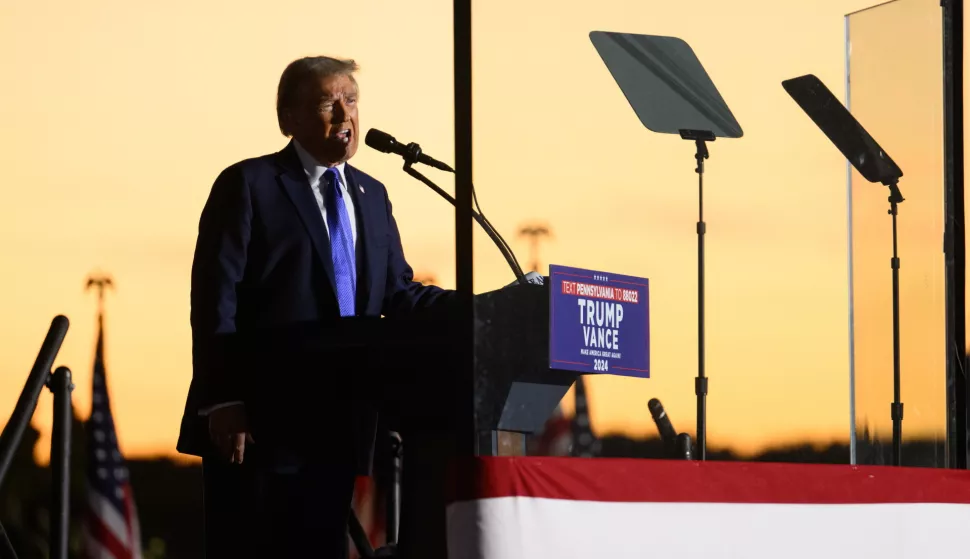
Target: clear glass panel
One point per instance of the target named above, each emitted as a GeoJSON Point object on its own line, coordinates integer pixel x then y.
{"type": "Point", "coordinates": [568, 174]}
{"type": "Point", "coordinates": [900, 103]}
{"type": "Point", "coordinates": [966, 194]}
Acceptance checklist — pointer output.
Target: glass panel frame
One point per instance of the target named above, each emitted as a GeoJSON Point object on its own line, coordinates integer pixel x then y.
{"type": "Point", "coordinates": [897, 103]}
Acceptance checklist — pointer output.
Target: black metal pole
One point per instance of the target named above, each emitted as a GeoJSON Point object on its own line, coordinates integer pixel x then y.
{"type": "Point", "coordinates": [464, 256]}
{"type": "Point", "coordinates": [896, 410]}
{"type": "Point", "coordinates": [463, 148]}
{"type": "Point", "coordinates": [27, 403]}
{"type": "Point", "coordinates": [954, 236]}
{"type": "Point", "coordinates": [440, 435]}
{"type": "Point", "coordinates": [60, 384]}
{"type": "Point", "coordinates": [700, 383]}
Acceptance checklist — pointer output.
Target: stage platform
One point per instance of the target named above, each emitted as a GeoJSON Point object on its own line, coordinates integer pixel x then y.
{"type": "Point", "coordinates": [564, 508]}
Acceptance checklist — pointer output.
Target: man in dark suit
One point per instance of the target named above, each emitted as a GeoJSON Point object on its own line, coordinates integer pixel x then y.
{"type": "Point", "coordinates": [293, 238]}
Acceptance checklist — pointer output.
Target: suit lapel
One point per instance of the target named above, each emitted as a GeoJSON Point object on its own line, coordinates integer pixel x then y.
{"type": "Point", "coordinates": [294, 182]}
{"type": "Point", "coordinates": [364, 203]}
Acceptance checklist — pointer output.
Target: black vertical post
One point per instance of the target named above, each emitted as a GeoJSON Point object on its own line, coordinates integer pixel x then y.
{"type": "Point", "coordinates": [464, 263]}
{"type": "Point", "coordinates": [445, 430]}
{"type": "Point", "coordinates": [954, 238]}
{"type": "Point", "coordinates": [60, 385]}
{"type": "Point", "coordinates": [463, 152]}
{"type": "Point", "coordinates": [442, 434]}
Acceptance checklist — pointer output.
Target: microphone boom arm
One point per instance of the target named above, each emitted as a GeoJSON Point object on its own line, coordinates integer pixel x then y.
{"type": "Point", "coordinates": [519, 275]}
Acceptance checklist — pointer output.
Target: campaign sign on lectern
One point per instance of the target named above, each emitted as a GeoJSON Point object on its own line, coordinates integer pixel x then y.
{"type": "Point", "coordinates": [599, 322]}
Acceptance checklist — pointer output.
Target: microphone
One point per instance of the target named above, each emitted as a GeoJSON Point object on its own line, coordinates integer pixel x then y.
{"type": "Point", "coordinates": [382, 141]}
{"type": "Point", "coordinates": [684, 449]}
{"type": "Point", "coordinates": [667, 433]}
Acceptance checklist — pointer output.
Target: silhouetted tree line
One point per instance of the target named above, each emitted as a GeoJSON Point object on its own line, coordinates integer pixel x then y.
{"type": "Point", "coordinates": [930, 454]}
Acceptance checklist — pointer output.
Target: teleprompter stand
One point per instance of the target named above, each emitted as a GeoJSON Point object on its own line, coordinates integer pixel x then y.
{"type": "Point", "coordinates": [671, 93]}
{"type": "Point", "coordinates": [874, 165]}
{"type": "Point", "coordinates": [896, 410]}
{"type": "Point", "coordinates": [700, 383]}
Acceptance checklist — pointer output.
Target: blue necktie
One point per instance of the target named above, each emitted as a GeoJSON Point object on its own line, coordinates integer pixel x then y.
{"type": "Point", "coordinates": [341, 243]}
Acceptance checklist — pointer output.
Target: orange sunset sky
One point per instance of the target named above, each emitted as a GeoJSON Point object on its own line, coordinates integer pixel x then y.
{"type": "Point", "coordinates": [117, 116]}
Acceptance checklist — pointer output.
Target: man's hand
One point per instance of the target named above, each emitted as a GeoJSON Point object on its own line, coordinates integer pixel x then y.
{"type": "Point", "coordinates": [229, 432]}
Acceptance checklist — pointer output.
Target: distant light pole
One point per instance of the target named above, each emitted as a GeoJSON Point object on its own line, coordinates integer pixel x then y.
{"type": "Point", "coordinates": [100, 282]}
{"type": "Point", "coordinates": [535, 233]}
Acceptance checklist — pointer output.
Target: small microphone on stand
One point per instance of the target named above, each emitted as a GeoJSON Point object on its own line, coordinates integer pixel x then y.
{"type": "Point", "coordinates": [684, 447]}
{"type": "Point", "coordinates": [667, 433]}
{"type": "Point", "coordinates": [676, 446]}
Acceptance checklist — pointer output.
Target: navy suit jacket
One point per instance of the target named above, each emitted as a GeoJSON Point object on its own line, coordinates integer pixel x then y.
{"type": "Point", "coordinates": [262, 262]}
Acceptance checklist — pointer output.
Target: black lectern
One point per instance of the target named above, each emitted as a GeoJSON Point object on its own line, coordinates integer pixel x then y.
{"type": "Point", "coordinates": [515, 389]}
{"type": "Point", "coordinates": [406, 368]}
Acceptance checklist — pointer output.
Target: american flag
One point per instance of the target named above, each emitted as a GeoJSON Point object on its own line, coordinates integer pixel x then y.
{"type": "Point", "coordinates": [111, 528]}
{"type": "Point", "coordinates": [584, 442]}
{"type": "Point", "coordinates": [556, 438]}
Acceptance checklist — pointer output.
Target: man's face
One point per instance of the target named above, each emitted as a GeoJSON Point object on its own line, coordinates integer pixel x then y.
{"type": "Point", "coordinates": [324, 119]}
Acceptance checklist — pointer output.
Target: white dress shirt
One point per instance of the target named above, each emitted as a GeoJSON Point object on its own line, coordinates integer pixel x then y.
{"type": "Point", "coordinates": [314, 173]}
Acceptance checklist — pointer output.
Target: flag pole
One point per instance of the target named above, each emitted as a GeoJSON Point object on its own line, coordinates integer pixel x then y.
{"type": "Point", "coordinates": [100, 282]}
{"type": "Point", "coordinates": [107, 478]}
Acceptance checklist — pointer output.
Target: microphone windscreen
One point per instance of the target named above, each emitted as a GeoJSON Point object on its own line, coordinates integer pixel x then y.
{"type": "Point", "coordinates": [381, 141]}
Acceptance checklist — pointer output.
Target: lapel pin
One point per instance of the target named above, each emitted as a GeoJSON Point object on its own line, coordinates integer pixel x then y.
{"type": "Point", "coordinates": [361, 189]}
